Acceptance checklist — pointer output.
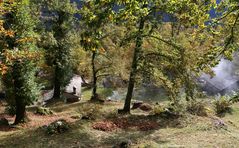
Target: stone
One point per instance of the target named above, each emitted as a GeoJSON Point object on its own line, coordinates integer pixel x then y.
{"type": "Point", "coordinates": [136, 105]}
{"type": "Point", "coordinates": [71, 98]}
{"type": "Point", "coordinates": [220, 124]}
{"type": "Point", "coordinates": [146, 107]}
{"type": "Point", "coordinates": [142, 106]}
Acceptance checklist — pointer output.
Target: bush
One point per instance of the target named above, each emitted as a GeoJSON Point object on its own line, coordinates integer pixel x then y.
{"type": "Point", "coordinates": [222, 105]}
{"type": "Point", "coordinates": [235, 97]}
{"type": "Point", "coordinates": [43, 111]}
{"type": "Point", "coordinates": [170, 111]}
{"type": "Point", "coordinates": [57, 127]}
{"type": "Point", "coordinates": [200, 94]}
{"type": "Point", "coordinates": [159, 109]}
{"type": "Point", "coordinates": [197, 108]}
{"type": "Point", "coordinates": [177, 109]}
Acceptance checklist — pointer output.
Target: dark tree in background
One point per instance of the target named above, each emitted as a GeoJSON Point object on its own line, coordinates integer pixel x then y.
{"type": "Point", "coordinates": [57, 42]}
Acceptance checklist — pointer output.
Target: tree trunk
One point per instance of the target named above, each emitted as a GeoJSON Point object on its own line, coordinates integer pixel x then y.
{"type": "Point", "coordinates": [20, 105]}
{"type": "Point", "coordinates": [57, 85]}
{"type": "Point", "coordinates": [137, 50]}
{"type": "Point", "coordinates": [189, 87]}
{"type": "Point", "coordinates": [20, 111]}
{"type": "Point", "coordinates": [94, 96]}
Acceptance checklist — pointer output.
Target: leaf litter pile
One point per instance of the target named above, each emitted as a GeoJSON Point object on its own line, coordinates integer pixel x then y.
{"type": "Point", "coordinates": [125, 123]}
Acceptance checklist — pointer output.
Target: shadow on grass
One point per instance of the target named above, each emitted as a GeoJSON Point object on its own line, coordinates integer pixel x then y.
{"type": "Point", "coordinates": [83, 135]}
{"type": "Point", "coordinates": [136, 137]}
{"type": "Point", "coordinates": [75, 137]}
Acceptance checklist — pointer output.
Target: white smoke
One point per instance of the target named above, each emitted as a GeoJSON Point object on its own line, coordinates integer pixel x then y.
{"type": "Point", "coordinates": [225, 75]}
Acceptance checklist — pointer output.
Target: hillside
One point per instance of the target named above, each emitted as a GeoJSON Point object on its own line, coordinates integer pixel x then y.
{"type": "Point", "coordinates": [105, 128]}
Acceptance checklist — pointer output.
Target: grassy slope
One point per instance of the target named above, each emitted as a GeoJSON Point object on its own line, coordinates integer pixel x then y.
{"type": "Point", "coordinates": [191, 131]}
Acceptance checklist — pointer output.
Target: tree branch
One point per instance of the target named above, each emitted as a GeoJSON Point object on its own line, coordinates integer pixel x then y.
{"type": "Point", "coordinates": [103, 75]}
{"type": "Point", "coordinates": [230, 40]}
{"type": "Point", "coordinates": [101, 68]}
{"type": "Point", "coordinates": [157, 54]}
{"type": "Point", "coordinates": [170, 43]}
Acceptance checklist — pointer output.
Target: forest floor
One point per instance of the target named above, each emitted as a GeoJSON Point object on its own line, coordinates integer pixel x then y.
{"type": "Point", "coordinates": [105, 128]}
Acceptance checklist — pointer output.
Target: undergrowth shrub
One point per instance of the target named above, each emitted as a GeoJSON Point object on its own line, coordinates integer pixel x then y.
{"type": "Point", "coordinates": [200, 94]}
{"type": "Point", "coordinates": [222, 104]}
{"type": "Point", "coordinates": [57, 127]}
{"type": "Point", "coordinates": [43, 111]}
{"type": "Point", "coordinates": [158, 109]}
{"type": "Point", "coordinates": [170, 111]}
{"type": "Point", "coordinates": [235, 97]}
{"type": "Point", "coordinates": [197, 108]}
{"type": "Point", "coordinates": [178, 108]}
